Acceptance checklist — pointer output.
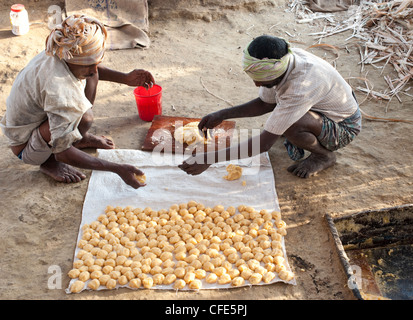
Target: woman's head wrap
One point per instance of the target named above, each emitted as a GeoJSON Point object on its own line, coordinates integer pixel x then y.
{"type": "Point", "coordinates": [265, 69]}
{"type": "Point", "coordinates": [78, 40]}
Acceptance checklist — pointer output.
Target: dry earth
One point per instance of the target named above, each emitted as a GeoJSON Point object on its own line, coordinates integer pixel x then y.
{"type": "Point", "coordinates": [192, 40]}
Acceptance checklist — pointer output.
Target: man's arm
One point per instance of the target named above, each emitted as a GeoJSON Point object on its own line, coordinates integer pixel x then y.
{"type": "Point", "coordinates": [202, 161]}
{"type": "Point", "coordinates": [253, 108]}
{"type": "Point", "coordinates": [135, 78]}
{"type": "Point", "coordinates": [77, 158]}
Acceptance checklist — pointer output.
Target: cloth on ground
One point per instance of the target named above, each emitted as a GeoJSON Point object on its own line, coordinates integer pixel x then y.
{"type": "Point", "coordinates": [167, 185]}
{"type": "Point", "coordinates": [126, 21]}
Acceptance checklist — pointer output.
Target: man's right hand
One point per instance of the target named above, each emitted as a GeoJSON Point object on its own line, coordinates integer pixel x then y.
{"type": "Point", "coordinates": [211, 120]}
{"type": "Point", "coordinates": [127, 173]}
{"type": "Point", "coordinates": [80, 159]}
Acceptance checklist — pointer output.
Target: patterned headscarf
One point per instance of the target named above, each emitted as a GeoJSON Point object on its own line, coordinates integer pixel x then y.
{"type": "Point", "coordinates": [79, 40]}
{"type": "Point", "coordinates": [265, 69]}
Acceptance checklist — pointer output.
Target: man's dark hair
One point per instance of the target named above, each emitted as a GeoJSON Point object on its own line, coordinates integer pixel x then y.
{"type": "Point", "coordinates": [268, 47]}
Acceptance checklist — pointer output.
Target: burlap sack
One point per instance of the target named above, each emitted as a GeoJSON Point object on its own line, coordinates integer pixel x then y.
{"type": "Point", "coordinates": [126, 21]}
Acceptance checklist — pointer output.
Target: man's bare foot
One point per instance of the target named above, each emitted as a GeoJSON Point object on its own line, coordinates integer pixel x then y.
{"type": "Point", "coordinates": [60, 171]}
{"type": "Point", "coordinates": [92, 141]}
{"type": "Point", "coordinates": [312, 165]}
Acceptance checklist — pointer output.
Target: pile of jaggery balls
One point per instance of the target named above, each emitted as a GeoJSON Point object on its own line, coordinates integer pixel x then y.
{"type": "Point", "coordinates": [187, 246]}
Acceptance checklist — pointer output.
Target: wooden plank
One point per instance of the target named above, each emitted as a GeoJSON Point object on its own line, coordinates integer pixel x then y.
{"type": "Point", "coordinates": [160, 135]}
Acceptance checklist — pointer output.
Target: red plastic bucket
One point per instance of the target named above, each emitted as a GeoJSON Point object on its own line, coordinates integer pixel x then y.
{"type": "Point", "coordinates": [148, 101]}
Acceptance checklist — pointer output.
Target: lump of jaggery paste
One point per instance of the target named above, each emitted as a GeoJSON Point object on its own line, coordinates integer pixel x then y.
{"type": "Point", "coordinates": [190, 134]}
{"type": "Point", "coordinates": [141, 178]}
{"type": "Point", "coordinates": [234, 172]}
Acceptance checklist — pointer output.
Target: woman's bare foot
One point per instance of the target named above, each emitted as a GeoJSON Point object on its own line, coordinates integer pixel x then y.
{"type": "Point", "coordinates": [312, 165]}
{"type": "Point", "coordinates": [92, 141]}
{"type": "Point", "coordinates": [60, 171]}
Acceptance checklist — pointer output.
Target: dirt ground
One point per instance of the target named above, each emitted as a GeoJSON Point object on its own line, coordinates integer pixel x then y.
{"type": "Point", "coordinates": [40, 218]}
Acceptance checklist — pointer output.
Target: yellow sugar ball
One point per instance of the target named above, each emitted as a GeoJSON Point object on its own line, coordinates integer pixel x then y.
{"type": "Point", "coordinates": [189, 277]}
{"type": "Point", "coordinates": [93, 284]}
{"type": "Point", "coordinates": [74, 273]}
{"type": "Point", "coordinates": [77, 286]}
{"type": "Point", "coordinates": [211, 278]}
{"type": "Point", "coordinates": [147, 283]}
{"type": "Point", "coordinates": [195, 284]}
{"type": "Point", "coordinates": [169, 279]}
{"type": "Point", "coordinates": [158, 278]}
{"type": "Point", "coordinates": [179, 272]}
{"type": "Point", "coordinates": [135, 283]}
{"type": "Point", "coordinates": [84, 276]}
{"type": "Point", "coordinates": [200, 274]}
{"type": "Point", "coordinates": [268, 276]}
{"type": "Point", "coordinates": [179, 284]}
{"type": "Point", "coordinates": [255, 278]}
{"type": "Point", "coordinates": [237, 281]}
{"type": "Point", "coordinates": [111, 284]}
{"type": "Point", "coordinates": [224, 279]}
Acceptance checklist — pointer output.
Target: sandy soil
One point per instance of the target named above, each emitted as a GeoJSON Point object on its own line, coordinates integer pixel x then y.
{"type": "Point", "coordinates": [40, 218]}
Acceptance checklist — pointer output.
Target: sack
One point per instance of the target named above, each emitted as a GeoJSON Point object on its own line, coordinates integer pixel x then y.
{"type": "Point", "coordinates": [126, 21]}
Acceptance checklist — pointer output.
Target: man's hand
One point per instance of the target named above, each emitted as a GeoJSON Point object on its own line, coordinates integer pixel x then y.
{"type": "Point", "coordinates": [127, 173]}
{"type": "Point", "coordinates": [194, 165]}
{"type": "Point", "coordinates": [138, 78]}
{"type": "Point", "coordinates": [80, 159]}
{"type": "Point", "coordinates": [210, 120]}
{"type": "Point", "coordinates": [253, 108]}
{"type": "Point", "coordinates": [194, 169]}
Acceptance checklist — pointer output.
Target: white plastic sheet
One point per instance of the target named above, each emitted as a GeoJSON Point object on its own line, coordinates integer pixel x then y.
{"type": "Point", "coordinates": [167, 185]}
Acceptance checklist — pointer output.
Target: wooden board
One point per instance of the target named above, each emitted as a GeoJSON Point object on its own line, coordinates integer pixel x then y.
{"type": "Point", "coordinates": [160, 136]}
